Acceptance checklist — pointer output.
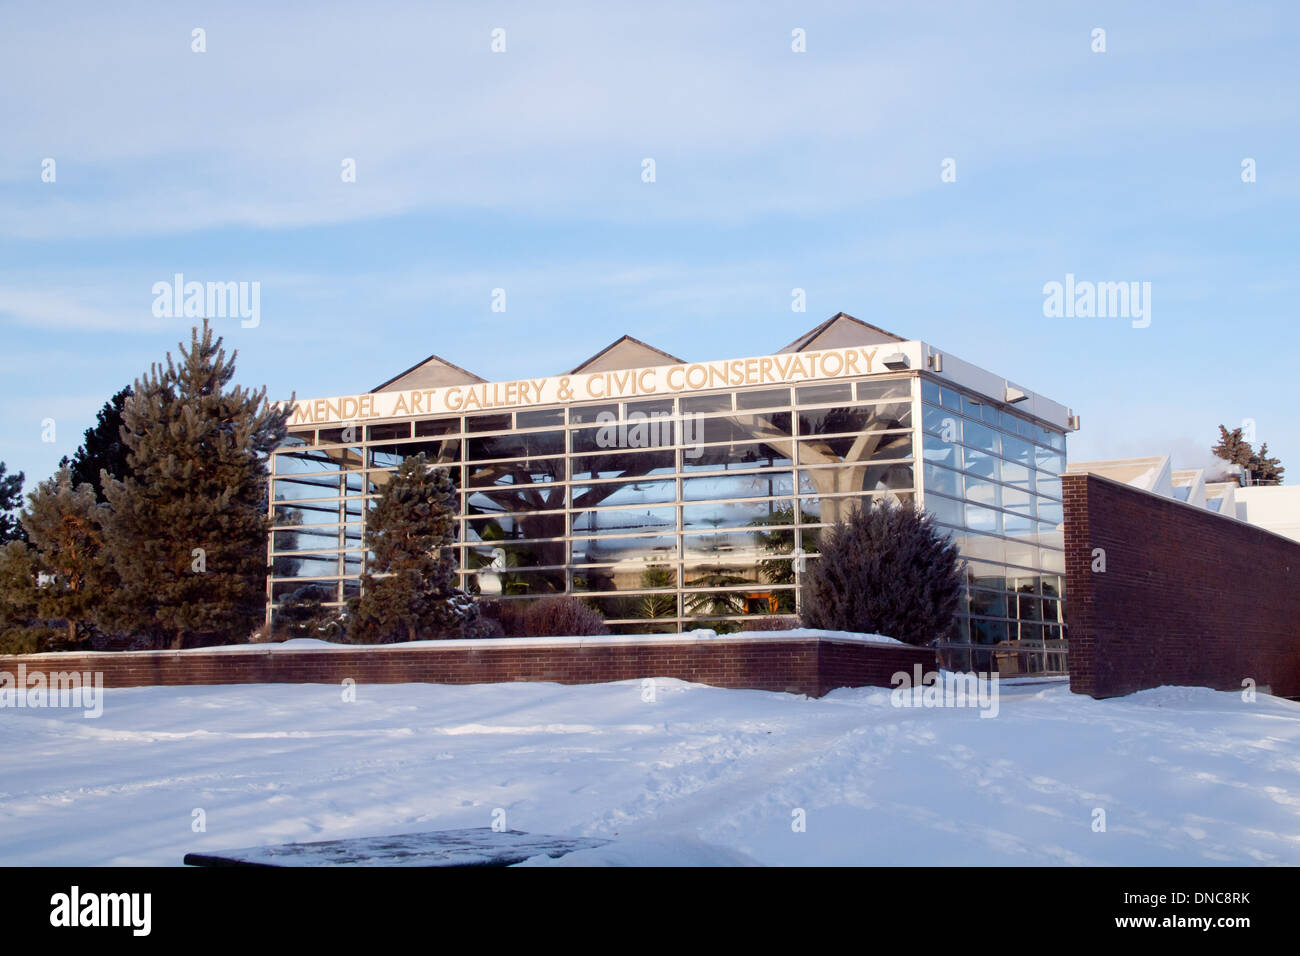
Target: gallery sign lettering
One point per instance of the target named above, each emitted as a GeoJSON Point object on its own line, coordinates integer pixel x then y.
{"type": "Point", "coordinates": [594, 386]}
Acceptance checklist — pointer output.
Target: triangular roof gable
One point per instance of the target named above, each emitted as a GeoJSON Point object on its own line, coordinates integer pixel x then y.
{"type": "Point", "coordinates": [842, 330]}
{"type": "Point", "coordinates": [433, 372]}
{"type": "Point", "coordinates": [625, 352]}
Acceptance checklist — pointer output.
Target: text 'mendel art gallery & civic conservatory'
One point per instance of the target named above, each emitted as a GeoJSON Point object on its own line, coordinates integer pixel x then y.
{"type": "Point", "coordinates": [672, 494]}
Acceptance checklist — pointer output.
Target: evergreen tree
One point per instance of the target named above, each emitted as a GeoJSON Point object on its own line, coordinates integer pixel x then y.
{"type": "Point", "coordinates": [63, 530]}
{"type": "Point", "coordinates": [11, 497]}
{"type": "Point", "coordinates": [1265, 470]}
{"type": "Point", "coordinates": [20, 630]}
{"type": "Point", "coordinates": [186, 530]}
{"type": "Point", "coordinates": [1233, 448]}
{"type": "Point", "coordinates": [101, 447]}
{"type": "Point", "coordinates": [887, 570]}
{"type": "Point", "coordinates": [408, 591]}
{"type": "Point", "coordinates": [303, 614]}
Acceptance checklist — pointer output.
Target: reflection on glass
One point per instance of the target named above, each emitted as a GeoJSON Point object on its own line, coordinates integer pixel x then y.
{"type": "Point", "coordinates": [518, 445]}
{"type": "Point", "coordinates": [517, 472]}
{"type": "Point", "coordinates": [736, 514]}
{"type": "Point", "coordinates": [740, 457]}
{"type": "Point", "coordinates": [654, 550]}
{"type": "Point", "coordinates": [624, 464]}
{"type": "Point", "coordinates": [624, 493]}
{"type": "Point", "coordinates": [831, 421]}
{"type": "Point", "coordinates": [625, 521]}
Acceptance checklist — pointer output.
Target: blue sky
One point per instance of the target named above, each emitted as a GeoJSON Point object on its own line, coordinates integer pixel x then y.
{"type": "Point", "coordinates": [774, 170]}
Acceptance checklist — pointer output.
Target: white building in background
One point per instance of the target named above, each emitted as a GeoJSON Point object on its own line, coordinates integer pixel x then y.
{"type": "Point", "coordinates": [1274, 508]}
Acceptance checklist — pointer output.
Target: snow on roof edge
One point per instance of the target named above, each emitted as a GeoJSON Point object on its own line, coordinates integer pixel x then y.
{"type": "Point", "coordinates": [308, 645]}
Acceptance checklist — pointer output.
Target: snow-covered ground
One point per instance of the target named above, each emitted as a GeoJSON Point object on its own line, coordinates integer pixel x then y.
{"type": "Point", "coordinates": [698, 775]}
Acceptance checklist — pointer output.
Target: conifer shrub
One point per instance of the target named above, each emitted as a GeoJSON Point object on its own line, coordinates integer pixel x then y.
{"type": "Point", "coordinates": [886, 570]}
{"type": "Point", "coordinates": [562, 615]}
{"type": "Point", "coordinates": [303, 614]}
{"type": "Point", "coordinates": [507, 615]}
{"type": "Point", "coordinates": [408, 591]}
{"type": "Point", "coordinates": [775, 622]}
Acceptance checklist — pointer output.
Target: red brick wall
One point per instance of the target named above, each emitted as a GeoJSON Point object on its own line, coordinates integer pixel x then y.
{"type": "Point", "coordinates": [1188, 597]}
{"type": "Point", "coordinates": [811, 666]}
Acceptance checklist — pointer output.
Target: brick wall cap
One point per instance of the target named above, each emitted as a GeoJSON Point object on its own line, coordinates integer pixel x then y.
{"type": "Point", "coordinates": [689, 639]}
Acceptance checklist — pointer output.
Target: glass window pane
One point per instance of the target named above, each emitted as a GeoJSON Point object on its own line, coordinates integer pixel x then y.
{"type": "Point", "coordinates": [657, 406]}
{"type": "Point", "coordinates": [830, 481]}
{"type": "Point", "coordinates": [764, 398]}
{"type": "Point", "coordinates": [980, 436]}
{"type": "Point", "coordinates": [941, 452]}
{"type": "Point", "coordinates": [736, 427]}
{"type": "Point", "coordinates": [580, 414]}
{"type": "Point", "coordinates": [625, 521]}
{"type": "Point", "coordinates": [878, 389]}
{"type": "Point", "coordinates": [518, 445]}
{"type": "Point", "coordinates": [1017, 450]}
{"type": "Point", "coordinates": [636, 431]}
{"type": "Point", "coordinates": [1017, 523]}
{"type": "Point", "coordinates": [822, 394]}
{"type": "Point", "coordinates": [494, 580]}
{"type": "Point", "coordinates": [443, 451]}
{"type": "Point", "coordinates": [988, 603]}
{"type": "Point", "coordinates": [942, 480]}
{"type": "Point", "coordinates": [437, 426]}
{"type": "Point", "coordinates": [858, 418]}
{"type": "Point", "coordinates": [540, 497]}
{"type": "Point", "coordinates": [728, 546]}
{"type": "Point", "coordinates": [488, 423]}
{"type": "Point", "coordinates": [631, 578]}
{"type": "Point", "coordinates": [1050, 511]}
{"type": "Point", "coordinates": [1049, 461]}
{"type": "Point", "coordinates": [706, 403]}
{"type": "Point", "coordinates": [624, 493]}
{"type": "Point", "coordinates": [1017, 475]}
{"type": "Point", "coordinates": [941, 422]}
{"type": "Point", "coordinates": [388, 431]}
{"type": "Point", "coordinates": [520, 526]}
{"type": "Point", "coordinates": [988, 632]}
{"type": "Point", "coordinates": [1048, 485]}
{"type": "Point", "coordinates": [983, 519]}
{"type": "Point", "coordinates": [638, 551]}
{"type": "Point", "coordinates": [624, 464]}
{"type": "Point", "coordinates": [518, 472]}
{"type": "Point", "coordinates": [762, 484]}
{"type": "Point", "coordinates": [539, 418]}
{"type": "Point", "coordinates": [873, 446]}
{"type": "Point", "coordinates": [984, 492]}
{"type": "Point", "coordinates": [512, 554]}
{"type": "Point", "coordinates": [737, 514]}
{"type": "Point", "coordinates": [945, 509]}
{"type": "Point", "coordinates": [738, 456]}
{"type": "Point", "coordinates": [982, 465]}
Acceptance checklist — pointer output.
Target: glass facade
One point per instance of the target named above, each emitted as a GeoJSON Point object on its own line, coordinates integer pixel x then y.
{"type": "Point", "coordinates": [701, 509]}
{"type": "Point", "coordinates": [992, 478]}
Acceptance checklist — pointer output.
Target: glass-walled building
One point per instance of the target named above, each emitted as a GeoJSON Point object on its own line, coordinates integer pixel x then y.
{"type": "Point", "coordinates": [671, 495]}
